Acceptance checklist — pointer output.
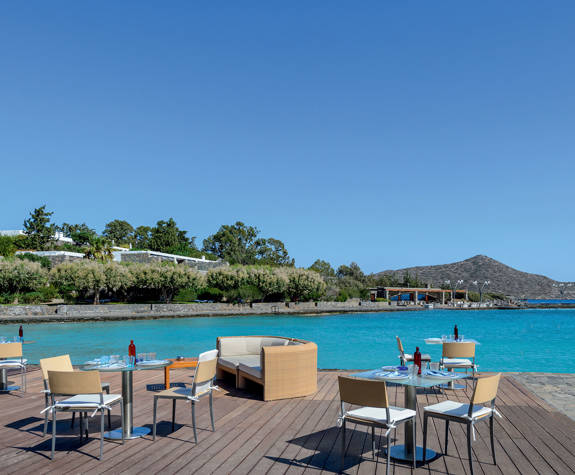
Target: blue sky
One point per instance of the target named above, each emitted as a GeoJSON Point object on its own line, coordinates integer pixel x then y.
{"type": "Point", "coordinates": [387, 133]}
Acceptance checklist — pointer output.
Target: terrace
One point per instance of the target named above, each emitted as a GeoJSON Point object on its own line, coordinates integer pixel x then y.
{"type": "Point", "coordinates": [294, 435]}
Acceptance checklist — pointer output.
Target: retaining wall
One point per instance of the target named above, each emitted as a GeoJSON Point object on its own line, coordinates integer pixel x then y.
{"type": "Point", "coordinates": [14, 313]}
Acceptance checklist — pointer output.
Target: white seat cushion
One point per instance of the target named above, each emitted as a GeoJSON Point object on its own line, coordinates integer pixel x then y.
{"type": "Point", "coordinates": [458, 409]}
{"type": "Point", "coordinates": [12, 364]}
{"type": "Point", "coordinates": [88, 401]}
{"type": "Point", "coordinates": [462, 362]}
{"type": "Point", "coordinates": [255, 371]}
{"type": "Point", "coordinates": [14, 360]}
{"type": "Point", "coordinates": [234, 361]}
{"type": "Point", "coordinates": [379, 415]}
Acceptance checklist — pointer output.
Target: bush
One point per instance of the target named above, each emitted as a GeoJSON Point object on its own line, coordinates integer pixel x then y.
{"type": "Point", "coordinates": [342, 296]}
{"type": "Point", "coordinates": [211, 293]}
{"type": "Point", "coordinates": [186, 295]}
{"type": "Point", "coordinates": [43, 261]}
{"type": "Point", "coordinates": [250, 293]}
{"type": "Point", "coordinates": [7, 246]}
{"type": "Point", "coordinates": [30, 298]}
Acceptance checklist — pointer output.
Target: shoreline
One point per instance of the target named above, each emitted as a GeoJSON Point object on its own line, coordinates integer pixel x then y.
{"type": "Point", "coordinates": [11, 314]}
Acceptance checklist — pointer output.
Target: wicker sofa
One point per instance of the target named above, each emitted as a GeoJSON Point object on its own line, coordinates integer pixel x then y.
{"type": "Point", "coordinates": [285, 367]}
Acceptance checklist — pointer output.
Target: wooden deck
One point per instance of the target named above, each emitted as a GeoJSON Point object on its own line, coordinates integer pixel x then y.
{"type": "Point", "coordinates": [291, 436]}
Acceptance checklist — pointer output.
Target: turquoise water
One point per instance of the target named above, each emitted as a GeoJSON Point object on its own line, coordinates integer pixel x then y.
{"type": "Point", "coordinates": [511, 340]}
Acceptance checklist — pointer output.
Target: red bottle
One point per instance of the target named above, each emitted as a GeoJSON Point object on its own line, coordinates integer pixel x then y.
{"type": "Point", "coordinates": [456, 333]}
{"type": "Point", "coordinates": [132, 352]}
{"type": "Point", "coordinates": [417, 359]}
{"type": "Point", "coordinates": [21, 333]}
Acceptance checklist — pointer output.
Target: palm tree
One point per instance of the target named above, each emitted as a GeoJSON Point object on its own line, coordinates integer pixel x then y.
{"type": "Point", "coordinates": [100, 249]}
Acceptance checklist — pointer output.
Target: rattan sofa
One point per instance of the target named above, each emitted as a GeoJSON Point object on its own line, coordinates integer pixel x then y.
{"type": "Point", "coordinates": [285, 367]}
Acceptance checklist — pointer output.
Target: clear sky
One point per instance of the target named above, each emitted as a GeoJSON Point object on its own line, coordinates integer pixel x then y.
{"type": "Point", "coordinates": [390, 133]}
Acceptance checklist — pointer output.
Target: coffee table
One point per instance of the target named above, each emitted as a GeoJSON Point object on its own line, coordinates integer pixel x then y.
{"type": "Point", "coordinates": [178, 363]}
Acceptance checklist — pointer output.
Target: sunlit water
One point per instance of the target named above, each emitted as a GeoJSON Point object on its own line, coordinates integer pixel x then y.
{"type": "Point", "coordinates": [511, 340]}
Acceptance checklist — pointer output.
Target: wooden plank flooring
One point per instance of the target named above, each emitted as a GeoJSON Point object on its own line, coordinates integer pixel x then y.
{"type": "Point", "coordinates": [293, 436]}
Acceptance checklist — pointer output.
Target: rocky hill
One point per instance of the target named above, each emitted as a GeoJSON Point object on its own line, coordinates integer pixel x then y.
{"type": "Point", "coordinates": [504, 279]}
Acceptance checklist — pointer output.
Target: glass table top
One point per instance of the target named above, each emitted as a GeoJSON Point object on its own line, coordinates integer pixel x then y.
{"type": "Point", "coordinates": [421, 381]}
{"type": "Point", "coordinates": [120, 366]}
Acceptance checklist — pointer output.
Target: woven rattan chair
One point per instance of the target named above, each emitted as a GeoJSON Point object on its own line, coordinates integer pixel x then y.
{"type": "Point", "coordinates": [61, 363]}
{"type": "Point", "coordinates": [485, 391]}
{"type": "Point", "coordinates": [375, 411]}
{"type": "Point", "coordinates": [202, 385]}
{"type": "Point", "coordinates": [457, 355]}
{"type": "Point", "coordinates": [85, 389]}
{"type": "Point", "coordinates": [11, 357]}
{"type": "Point", "coordinates": [405, 358]}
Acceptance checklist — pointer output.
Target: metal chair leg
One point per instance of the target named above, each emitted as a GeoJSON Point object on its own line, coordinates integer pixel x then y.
{"type": "Point", "coordinates": [102, 433]}
{"type": "Point", "coordinates": [81, 426]}
{"type": "Point", "coordinates": [492, 438]}
{"type": "Point", "coordinates": [72, 423]}
{"type": "Point", "coordinates": [342, 446]}
{"type": "Point", "coordinates": [212, 411]}
{"type": "Point", "coordinates": [414, 435]}
{"type": "Point", "coordinates": [387, 463]}
{"type": "Point", "coordinates": [53, 433]}
{"type": "Point", "coordinates": [173, 415]}
{"type": "Point", "coordinates": [373, 441]}
{"type": "Point", "coordinates": [194, 421]}
{"type": "Point", "coordinates": [47, 403]}
{"type": "Point", "coordinates": [446, 435]}
{"type": "Point", "coordinates": [155, 411]}
{"type": "Point", "coordinates": [469, 430]}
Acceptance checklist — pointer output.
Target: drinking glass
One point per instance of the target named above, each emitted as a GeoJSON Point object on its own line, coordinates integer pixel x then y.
{"type": "Point", "coordinates": [443, 337]}
{"type": "Point", "coordinates": [434, 366]}
{"type": "Point", "coordinates": [413, 371]}
{"type": "Point", "coordinates": [16, 339]}
{"type": "Point", "coordinates": [461, 338]}
{"type": "Point", "coordinates": [126, 360]}
{"type": "Point", "coordinates": [2, 339]}
{"type": "Point", "coordinates": [152, 356]}
{"type": "Point", "coordinates": [105, 359]}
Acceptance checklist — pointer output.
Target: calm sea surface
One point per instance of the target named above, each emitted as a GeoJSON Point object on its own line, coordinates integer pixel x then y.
{"type": "Point", "coordinates": [511, 340]}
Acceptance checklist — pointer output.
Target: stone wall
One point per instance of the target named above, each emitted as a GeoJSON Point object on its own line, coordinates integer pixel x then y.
{"type": "Point", "coordinates": [13, 313]}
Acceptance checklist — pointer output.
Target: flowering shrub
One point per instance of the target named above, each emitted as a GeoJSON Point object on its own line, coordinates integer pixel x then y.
{"type": "Point", "coordinates": [21, 276]}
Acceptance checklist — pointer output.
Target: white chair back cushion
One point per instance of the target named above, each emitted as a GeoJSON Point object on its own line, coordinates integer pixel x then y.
{"type": "Point", "coordinates": [252, 345]}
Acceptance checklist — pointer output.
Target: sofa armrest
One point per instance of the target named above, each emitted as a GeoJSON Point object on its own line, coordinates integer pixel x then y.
{"type": "Point", "coordinates": [289, 371]}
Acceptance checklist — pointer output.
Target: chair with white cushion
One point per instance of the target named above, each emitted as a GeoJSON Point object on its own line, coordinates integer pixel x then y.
{"type": "Point", "coordinates": [202, 385]}
{"type": "Point", "coordinates": [405, 358]}
{"type": "Point", "coordinates": [458, 355]}
{"type": "Point", "coordinates": [82, 392]}
{"type": "Point", "coordinates": [374, 411]}
{"type": "Point", "coordinates": [485, 391]}
{"type": "Point", "coordinates": [11, 357]}
{"type": "Point", "coordinates": [61, 363]}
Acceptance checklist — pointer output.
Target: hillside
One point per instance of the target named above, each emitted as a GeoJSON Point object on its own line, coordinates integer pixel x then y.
{"type": "Point", "coordinates": [504, 279]}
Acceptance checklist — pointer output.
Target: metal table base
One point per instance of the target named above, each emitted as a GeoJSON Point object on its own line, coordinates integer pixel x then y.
{"type": "Point", "coordinates": [130, 432]}
{"type": "Point", "coordinates": [4, 388]}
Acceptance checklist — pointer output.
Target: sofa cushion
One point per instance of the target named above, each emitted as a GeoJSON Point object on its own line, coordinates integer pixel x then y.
{"type": "Point", "coordinates": [233, 361]}
{"type": "Point", "coordinates": [251, 345]}
{"type": "Point", "coordinates": [255, 371]}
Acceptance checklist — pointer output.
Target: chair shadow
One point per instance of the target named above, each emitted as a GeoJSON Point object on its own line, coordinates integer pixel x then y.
{"type": "Point", "coordinates": [330, 459]}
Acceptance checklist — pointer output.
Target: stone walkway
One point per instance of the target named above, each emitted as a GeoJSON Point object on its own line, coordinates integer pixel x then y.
{"type": "Point", "coordinates": [556, 389]}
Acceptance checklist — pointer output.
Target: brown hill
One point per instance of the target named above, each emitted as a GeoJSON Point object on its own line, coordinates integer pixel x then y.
{"type": "Point", "coordinates": [504, 279]}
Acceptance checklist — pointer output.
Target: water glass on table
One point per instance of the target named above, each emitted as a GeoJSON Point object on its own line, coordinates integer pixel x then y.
{"type": "Point", "coordinates": [434, 366]}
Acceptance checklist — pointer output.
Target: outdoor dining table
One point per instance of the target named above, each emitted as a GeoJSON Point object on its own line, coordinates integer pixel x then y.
{"type": "Point", "coordinates": [130, 432]}
{"type": "Point", "coordinates": [404, 452]}
{"type": "Point", "coordinates": [441, 341]}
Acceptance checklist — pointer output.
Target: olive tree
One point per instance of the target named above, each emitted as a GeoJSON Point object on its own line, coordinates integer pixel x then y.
{"type": "Point", "coordinates": [85, 277]}
{"type": "Point", "coordinates": [304, 284]}
{"type": "Point", "coordinates": [21, 276]}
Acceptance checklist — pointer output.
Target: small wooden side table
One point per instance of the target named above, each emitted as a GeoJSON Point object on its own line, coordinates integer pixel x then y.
{"type": "Point", "coordinates": [183, 363]}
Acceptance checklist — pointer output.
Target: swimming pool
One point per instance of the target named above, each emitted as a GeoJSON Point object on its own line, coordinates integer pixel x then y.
{"type": "Point", "coordinates": [511, 340]}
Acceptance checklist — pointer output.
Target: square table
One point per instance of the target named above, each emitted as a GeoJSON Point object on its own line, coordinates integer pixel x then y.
{"type": "Point", "coordinates": [405, 452]}
{"type": "Point", "coordinates": [178, 363]}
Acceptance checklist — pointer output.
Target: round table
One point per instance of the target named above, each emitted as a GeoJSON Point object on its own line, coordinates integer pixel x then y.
{"type": "Point", "coordinates": [405, 452]}
{"type": "Point", "coordinates": [130, 432]}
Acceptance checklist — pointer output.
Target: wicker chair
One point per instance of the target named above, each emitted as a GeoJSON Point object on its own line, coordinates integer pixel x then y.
{"type": "Point", "coordinates": [458, 355]}
{"type": "Point", "coordinates": [202, 385]}
{"type": "Point", "coordinates": [85, 389]}
{"type": "Point", "coordinates": [469, 414]}
{"type": "Point", "coordinates": [375, 411]}
{"type": "Point", "coordinates": [11, 357]}
{"type": "Point", "coordinates": [61, 363]}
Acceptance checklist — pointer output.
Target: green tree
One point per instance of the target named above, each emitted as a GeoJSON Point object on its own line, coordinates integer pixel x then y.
{"type": "Point", "coordinates": [323, 268]}
{"type": "Point", "coordinates": [234, 243]}
{"type": "Point", "coordinates": [21, 276]}
{"type": "Point", "coordinates": [119, 232]}
{"type": "Point", "coordinates": [38, 229]}
{"type": "Point", "coordinates": [167, 237]}
{"type": "Point", "coordinates": [352, 271]}
{"type": "Point", "coordinates": [142, 235]}
{"type": "Point", "coordinates": [82, 234]}
{"type": "Point", "coordinates": [239, 244]}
